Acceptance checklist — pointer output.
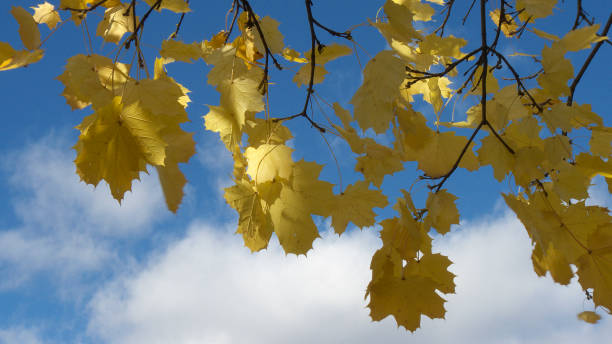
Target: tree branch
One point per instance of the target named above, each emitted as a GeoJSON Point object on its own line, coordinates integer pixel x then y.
{"type": "Point", "coordinates": [521, 87]}
{"type": "Point", "coordinates": [586, 63]}
{"type": "Point", "coordinates": [309, 91]}
{"type": "Point", "coordinates": [264, 82]}
{"type": "Point", "coordinates": [448, 6]}
{"type": "Point", "coordinates": [178, 25]}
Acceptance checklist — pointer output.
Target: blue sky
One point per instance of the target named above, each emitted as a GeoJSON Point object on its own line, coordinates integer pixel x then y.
{"type": "Point", "coordinates": [75, 267]}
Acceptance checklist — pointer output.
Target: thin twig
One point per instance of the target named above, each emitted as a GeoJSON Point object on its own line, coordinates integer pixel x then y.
{"type": "Point", "coordinates": [448, 6]}
{"type": "Point", "coordinates": [456, 164]}
{"type": "Point", "coordinates": [178, 25]}
{"type": "Point", "coordinates": [309, 91]}
{"type": "Point", "coordinates": [134, 34]}
{"type": "Point", "coordinates": [345, 34]}
{"type": "Point", "coordinates": [268, 54]}
{"type": "Point", "coordinates": [586, 63]}
{"type": "Point", "coordinates": [427, 75]}
{"type": "Point", "coordinates": [521, 87]}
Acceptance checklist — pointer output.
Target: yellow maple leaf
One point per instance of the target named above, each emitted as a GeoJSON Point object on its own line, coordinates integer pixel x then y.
{"type": "Point", "coordinates": [544, 34]}
{"type": "Point", "coordinates": [400, 16]}
{"type": "Point", "coordinates": [492, 84]}
{"type": "Point", "coordinates": [219, 120]}
{"type": "Point", "coordinates": [415, 133]}
{"type": "Point", "coordinates": [254, 223]}
{"type": "Point", "coordinates": [262, 131]}
{"type": "Point", "coordinates": [560, 231]}
{"type": "Point", "coordinates": [492, 152]}
{"type": "Point", "coordinates": [343, 114]}
{"type": "Point", "coordinates": [528, 163]}
{"type": "Point", "coordinates": [315, 194]}
{"type": "Point", "coordinates": [434, 266]}
{"type": "Point", "coordinates": [382, 77]}
{"type": "Point", "coordinates": [179, 51]}
{"type": "Point", "coordinates": [558, 117]}
{"type": "Point", "coordinates": [497, 116]}
{"type": "Point", "coordinates": [227, 66]}
{"type": "Point", "coordinates": [601, 141]}
{"type": "Point", "coordinates": [28, 29]}
{"type": "Point", "coordinates": [570, 182]}
{"type": "Point", "coordinates": [594, 165]}
{"type": "Point", "coordinates": [293, 223]}
{"type": "Point", "coordinates": [11, 58]}
{"type": "Point", "coordinates": [115, 23]}
{"type": "Point", "coordinates": [441, 211]}
{"type": "Point", "coordinates": [267, 162]}
{"type": "Point", "coordinates": [508, 26]}
{"type": "Point", "coordinates": [322, 56]}
{"type": "Point", "coordinates": [406, 236]}
{"type": "Point", "coordinates": [433, 91]}
{"type": "Point", "coordinates": [181, 147]}
{"type": "Point", "coordinates": [302, 77]}
{"type": "Point", "coordinates": [557, 71]}
{"type": "Point", "coordinates": [116, 143]}
{"type": "Point", "coordinates": [595, 266]}
{"type": "Point", "coordinates": [405, 297]}
{"type": "Point", "coordinates": [557, 150]}
{"type": "Point", "coordinates": [92, 79]}
{"type": "Point", "coordinates": [301, 196]}
{"type": "Point", "coordinates": [533, 9]}
{"type": "Point", "coordinates": [178, 6]}
{"type": "Point", "coordinates": [293, 56]}
{"type": "Point", "coordinates": [449, 46]}
{"type": "Point", "coordinates": [240, 96]}
{"type": "Point", "coordinates": [437, 157]}
{"type": "Point", "coordinates": [377, 162]}
{"type": "Point", "coordinates": [45, 13]}
{"type": "Point", "coordinates": [274, 39]}
{"type": "Point", "coordinates": [581, 38]}
{"type": "Point", "coordinates": [355, 205]}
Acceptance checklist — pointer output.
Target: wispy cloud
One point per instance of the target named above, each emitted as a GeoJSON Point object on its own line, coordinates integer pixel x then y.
{"type": "Point", "coordinates": [19, 335]}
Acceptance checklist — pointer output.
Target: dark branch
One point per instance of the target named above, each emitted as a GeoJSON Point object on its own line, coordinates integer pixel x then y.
{"type": "Point", "coordinates": [268, 54]}
{"type": "Point", "coordinates": [456, 164]}
{"type": "Point", "coordinates": [178, 25]}
{"type": "Point", "coordinates": [345, 34]}
{"type": "Point", "coordinates": [584, 67]}
{"type": "Point", "coordinates": [235, 9]}
{"type": "Point", "coordinates": [134, 35]}
{"type": "Point", "coordinates": [521, 87]}
{"type": "Point", "coordinates": [448, 6]}
{"type": "Point", "coordinates": [450, 67]}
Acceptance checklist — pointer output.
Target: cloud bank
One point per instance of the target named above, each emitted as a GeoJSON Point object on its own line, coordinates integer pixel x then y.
{"type": "Point", "coordinates": [207, 288]}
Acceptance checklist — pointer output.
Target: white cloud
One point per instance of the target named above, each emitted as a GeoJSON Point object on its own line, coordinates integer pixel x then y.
{"type": "Point", "coordinates": [66, 227]}
{"type": "Point", "coordinates": [207, 288]}
{"type": "Point", "coordinates": [19, 335]}
{"type": "Point", "coordinates": [50, 194]}
{"type": "Point", "coordinates": [24, 253]}
{"type": "Point", "coordinates": [599, 194]}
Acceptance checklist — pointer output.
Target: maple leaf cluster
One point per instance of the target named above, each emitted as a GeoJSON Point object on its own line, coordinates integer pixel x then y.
{"type": "Point", "coordinates": [524, 128]}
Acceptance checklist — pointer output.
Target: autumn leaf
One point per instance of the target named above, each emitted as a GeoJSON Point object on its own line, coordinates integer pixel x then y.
{"type": "Point", "coordinates": [45, 13]}
{"type": "Point", "coordinates": [441, 211]}
{"type": "Point", "coordinates": [355, 205]}
{"type": "Point", "coordinates": [28, 29]}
